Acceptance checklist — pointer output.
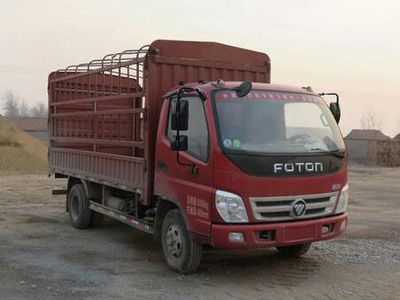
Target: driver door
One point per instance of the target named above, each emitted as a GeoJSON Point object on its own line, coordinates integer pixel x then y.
{"type": "Point", "coordinates": [191, 188]}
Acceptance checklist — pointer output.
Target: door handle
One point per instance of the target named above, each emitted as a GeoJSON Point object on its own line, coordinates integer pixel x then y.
{"type": "Point", "coordinates": [162, 165]}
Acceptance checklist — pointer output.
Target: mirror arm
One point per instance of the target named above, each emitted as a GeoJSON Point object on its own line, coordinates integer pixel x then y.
{"type": "Point", "coordinates": [331, 94]}
{"type": "Point", "coordinates": [336, 111]}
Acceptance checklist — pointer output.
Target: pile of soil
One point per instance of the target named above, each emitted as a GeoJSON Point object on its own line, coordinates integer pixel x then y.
{"type": "Point", "coordinates": [19, 151]}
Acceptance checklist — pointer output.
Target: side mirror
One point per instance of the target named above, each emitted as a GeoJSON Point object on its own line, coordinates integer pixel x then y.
{"type": "Point", "coordinates": [243, 89]}
{"type": "Point", "coordinates": [180, 116]}
{"type": "Point", "coordinates": [180, 143]}
{"type": "Point", "coordinates": [335, 110]}
{"type": "Point", "coordinates": [334, 106]}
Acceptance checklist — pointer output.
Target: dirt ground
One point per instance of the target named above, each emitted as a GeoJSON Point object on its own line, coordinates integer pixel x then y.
{"type": "Point", "coordinates": [43, 257]}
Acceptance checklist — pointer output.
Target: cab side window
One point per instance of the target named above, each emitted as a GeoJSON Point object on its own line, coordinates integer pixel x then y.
{"type": "Point", "coordinates": [197, 132]}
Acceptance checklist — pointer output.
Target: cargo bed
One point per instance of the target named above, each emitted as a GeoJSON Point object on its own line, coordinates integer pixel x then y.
{"type": "Point", "coordinates": [103, 115]}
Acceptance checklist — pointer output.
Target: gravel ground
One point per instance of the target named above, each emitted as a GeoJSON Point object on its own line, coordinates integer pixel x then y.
{"type": "Point", "coordinates": [43, 257]}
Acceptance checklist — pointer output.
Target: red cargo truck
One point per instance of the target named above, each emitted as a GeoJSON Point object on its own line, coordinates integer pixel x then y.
{"type": "Point", "coordinates": [190, 142]}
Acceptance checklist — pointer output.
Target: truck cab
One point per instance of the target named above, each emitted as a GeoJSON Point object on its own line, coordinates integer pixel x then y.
{"type": "Point", "coordinates": [265, 169]}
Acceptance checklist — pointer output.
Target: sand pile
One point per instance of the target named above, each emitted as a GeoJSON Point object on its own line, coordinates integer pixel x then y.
{"type": "Point", "coordinates": [19, 151]}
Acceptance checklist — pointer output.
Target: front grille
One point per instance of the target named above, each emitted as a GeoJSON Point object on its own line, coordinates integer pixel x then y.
{"type": "Point", "coordinates": [280, 208]}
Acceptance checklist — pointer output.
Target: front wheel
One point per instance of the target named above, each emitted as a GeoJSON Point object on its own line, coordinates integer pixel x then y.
{"type": "Point", "coordinates": [294, 250]}
{"type": "Point", "coordinates": [181, 252]}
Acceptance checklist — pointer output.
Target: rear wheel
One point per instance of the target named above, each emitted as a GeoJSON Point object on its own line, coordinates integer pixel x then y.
{"type": "Point", "coordinates": [80, 215]}
{"type": "Point", "coordinates": [294, 250]}
{"type": "Point", "coordinates": [181, 252]}
{"type": "Point", "coordinates": [78, 207]}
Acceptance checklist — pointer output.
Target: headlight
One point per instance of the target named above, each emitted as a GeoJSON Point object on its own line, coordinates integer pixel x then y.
{"type": "Point", "coordinates": [230, 207]}
{"type": "Point", "coordinates": [343, 199]}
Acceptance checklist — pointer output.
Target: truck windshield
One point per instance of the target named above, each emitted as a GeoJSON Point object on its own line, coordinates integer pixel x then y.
{"type": "Point", "coordinates": [276, 122]}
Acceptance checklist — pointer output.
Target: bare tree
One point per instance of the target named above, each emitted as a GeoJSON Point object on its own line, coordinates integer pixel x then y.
{"type": "Point", "coordinates": [371, 121]}
{"type": "Point", "coordinates": [23, 109]}
{"type": "Point", "coordinates": [11, 105]}
{"type": "Point", "coordinates": [39, 110]}
{"type": "Point", "coordinates": [17, 107]}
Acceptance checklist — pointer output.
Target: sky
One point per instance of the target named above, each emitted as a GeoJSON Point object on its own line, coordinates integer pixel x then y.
{"type": "Point", "coordinates": [350, 47]}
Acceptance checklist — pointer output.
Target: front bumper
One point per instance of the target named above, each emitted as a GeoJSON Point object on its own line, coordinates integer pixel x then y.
{"type": "Point", "coordinates": [279, 234]}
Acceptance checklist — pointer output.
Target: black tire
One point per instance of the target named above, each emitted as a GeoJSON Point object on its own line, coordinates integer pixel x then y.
{"type": "Point", "coordinates": [181, 252]}
{"type": "Point", "coordinates": [294, 250]}
{"type": "Point", "coordinates": [78, 207]}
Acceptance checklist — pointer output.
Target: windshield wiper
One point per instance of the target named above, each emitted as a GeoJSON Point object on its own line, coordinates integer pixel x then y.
{"type": "Point", "coordinates": [336, 153]}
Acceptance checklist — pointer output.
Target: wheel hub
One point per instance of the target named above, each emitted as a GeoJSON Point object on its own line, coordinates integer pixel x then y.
{"type": "Point", "coordinates": [174, 241]}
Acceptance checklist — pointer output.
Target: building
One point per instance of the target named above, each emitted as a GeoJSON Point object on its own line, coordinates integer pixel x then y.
{"type": "Point", "coordinates": [37, 127]}
{"type": "Point", "coordinates": [371, 146]}
{"type": "Point", "coordinates": [362, 145]}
